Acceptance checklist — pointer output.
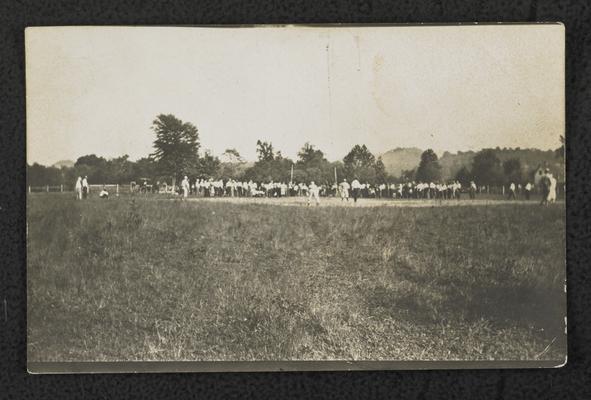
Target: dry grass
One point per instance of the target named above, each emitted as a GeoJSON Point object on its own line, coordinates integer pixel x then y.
{"type": "Point", "coordinates": [152, 279]}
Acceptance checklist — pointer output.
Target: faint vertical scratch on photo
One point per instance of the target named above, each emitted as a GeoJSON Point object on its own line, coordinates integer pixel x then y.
{"type": "Point", "coordinates": [328, 82]}
{"type": "Point", "coordinates": [358, 53]}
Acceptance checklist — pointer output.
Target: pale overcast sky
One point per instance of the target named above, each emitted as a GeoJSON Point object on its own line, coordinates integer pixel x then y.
{"type": "Point", "coordinates": [98, 89]}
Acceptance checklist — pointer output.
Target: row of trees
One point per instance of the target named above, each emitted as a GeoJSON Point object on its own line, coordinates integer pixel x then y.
{"type": "Point", "coordinates": [312, 165]}
{"type": "Point", "coordinates": [177, 152]}
{"type": "Point", "coordinates": [486, 169]}
{"type": "Point", "coordinates": [98, 169]}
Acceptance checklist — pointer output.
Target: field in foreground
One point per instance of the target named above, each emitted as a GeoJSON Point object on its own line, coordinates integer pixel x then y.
{"type": "Point", "coordinates": [142, 279]}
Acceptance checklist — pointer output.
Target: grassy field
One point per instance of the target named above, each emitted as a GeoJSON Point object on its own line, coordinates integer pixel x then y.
{"type": "Point", "coordinates": [147, 279]}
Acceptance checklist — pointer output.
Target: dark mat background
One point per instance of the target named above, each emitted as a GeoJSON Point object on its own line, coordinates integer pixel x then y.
{"type": "Point", "coordinates": [566, 383]}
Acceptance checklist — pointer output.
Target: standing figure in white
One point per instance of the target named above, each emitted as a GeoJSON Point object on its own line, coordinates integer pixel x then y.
{"type": "Point", "coordinates": [314, 192]}
{"type": "Point", "coordinates": [344, 186]}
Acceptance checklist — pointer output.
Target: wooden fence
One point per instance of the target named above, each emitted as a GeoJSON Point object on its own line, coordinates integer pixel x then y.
{"type": "Point", "coordinates": [111, 188]}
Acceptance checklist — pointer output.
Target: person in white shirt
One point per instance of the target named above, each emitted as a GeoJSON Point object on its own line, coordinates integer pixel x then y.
{"type": "Point", "coordinates": [472, 190]}
{"type": "Point", "coordinates": [231, 187]}
{"type": "Point", "coordinates": [197, 186]}
{"type": "Point", "coordinates": [552, 189]}
{"type": "Point", "coordinates": [356, 187]}
{"type": "Point", "coordinates": [211, 186]}
{"type": "Point", "coordinates": [304, 189]}
{"type": "Point", "coordinates": [185, 186]}
{"type": "Point", "coordinates": [344, 189]}
{"type": "Point", "coordinates": [392, 190]}
{"type": "Point", "coordinates": [528, 188]}
{"type": "Point", "coordinates": [545, 187]}
{"type": "Point", "coordinates": [79, 188]}
{"type": "Point", "coordinates": [104, 194]}
{"type": "Point", "coordinates": [313, 192]}
{"type": "Point", "coordinates": [381, 190]}
{"type": "Point", "coordinates": [458, 190]}
{"type": "Point", "coordinates": [442, 190]}
{"type": "Point", "coordinates": [511, 195]}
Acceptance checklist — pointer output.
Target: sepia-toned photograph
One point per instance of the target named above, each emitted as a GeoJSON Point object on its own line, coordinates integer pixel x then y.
{"type": "Point", "coordinates": [277, 194]}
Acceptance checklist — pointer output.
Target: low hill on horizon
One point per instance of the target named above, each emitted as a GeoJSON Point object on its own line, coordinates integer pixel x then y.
{"type": "Point", "coordinates": [64, 163]}
{"type": "Point", "coordinates": [400, 159]}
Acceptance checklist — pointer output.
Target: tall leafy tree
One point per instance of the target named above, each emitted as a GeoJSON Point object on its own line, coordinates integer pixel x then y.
{"type": "Point", "coordinates": [313, 166]}
{"type": "Point", "coordinates": [91, 160]}
{"type": "Point", "coordinates": [380, 168]}
{"type": "Point", "coordinates": [232, 156]}
{"type": "Point", "coordinates": [429, 169]}
{"type": "Point", "coordinates": [94, 167]}
{"type": "Point", "coordinates": [176, 148]}
{"type": "Point", "coordinates": [271, 165]}
{"type": "Point", "coordinates": [359, 156]}
{"type": "Point", "coordinates": [120, 170]}
{"type": "Point", "coordinates": [232, 164]}
{"type": "Point", "coordinates": [146, 167]}
{"type": "Point", "coordinates": [408, 175]}
{"type": "Point", "coordinates": [486, 168]}
{"type": "Point", "coordinates": [512, 170]}
{"type": "Point", "coordinates": [310, 156]}
{"type": "Point", "coordinates": [40, 175]}
{"type": "Point", "coordinates": [265, 151]}
{"type": "Point", "coordinates": [277, 170]}
{"type": "Point", "coordinates": [208, 166]}
{"type": "Point", "coordinates": [464, 175]}
{"type": "Point", "coordinates": [360, 163]}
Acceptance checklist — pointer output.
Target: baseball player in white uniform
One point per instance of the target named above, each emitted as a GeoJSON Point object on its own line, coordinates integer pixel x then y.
{"type": "Point", "coordinates": [313, 192]}
{"type": "Point", "coordinates": [344, 188]}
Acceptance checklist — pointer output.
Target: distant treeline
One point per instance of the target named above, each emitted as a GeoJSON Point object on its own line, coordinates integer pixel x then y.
{"type": "Point", "coordinates": [399, 160]}
{"type": "Point", "coordinates": [177, 153]}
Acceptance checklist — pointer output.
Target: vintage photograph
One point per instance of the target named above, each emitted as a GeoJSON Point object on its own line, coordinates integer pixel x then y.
{"type": "Point", "coordinates": [296, 193]}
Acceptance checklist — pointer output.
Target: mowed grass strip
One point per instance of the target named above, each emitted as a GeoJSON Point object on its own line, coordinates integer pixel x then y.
{"type": "Point", "coordinates": [136, 279]}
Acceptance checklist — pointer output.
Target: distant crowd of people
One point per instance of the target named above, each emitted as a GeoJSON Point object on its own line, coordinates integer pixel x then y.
{"type": "Point", "coordinates": [408, 190]}
{"type": "Point", "coordinates": [235, 188]}
{"type": "Point", "coordinates": [344, 190]}
{"type": "Point", "coordinates": [356, 189]}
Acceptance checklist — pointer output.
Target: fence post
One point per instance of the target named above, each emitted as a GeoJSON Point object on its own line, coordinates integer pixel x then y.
{"type": "Point", "coordinates": [503, 190]}
{"type": "Point", "coordinates": [117, 190]}
{"type": "Point", "coordinates": [47, 188]}
{"type": "Point", "coordinates": [61, 188]}
{"type": "Point", "coordinates": [29, 188]}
